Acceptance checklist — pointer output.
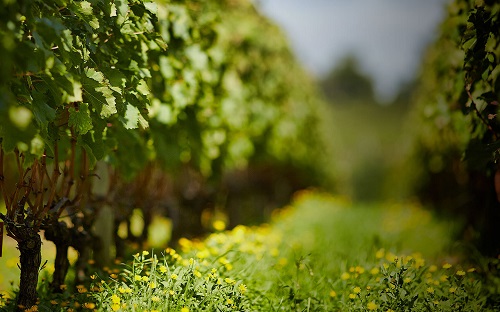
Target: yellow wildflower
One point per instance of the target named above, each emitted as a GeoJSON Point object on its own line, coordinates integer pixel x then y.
{"type": "Point", "coordinates": [173, 276]}
{"type": "Point", "coordinates": [89, 305]}
{"type": "Point", "coordinates": [115, 307]}
{"type": "Point", "coordinates": [184, 309]}
{"type": "Point", "coordinates": [391, 257]}
{"type": "Point", "coordinates": [460, 273]}
{"type": "Point", "coordinates": [371, 306]}
{"type": "Point", "coordinates": [452, 290]}
{"type": "Point", "coordinates": [357, 290]}
{"type": "Point", "coordinates": [430, 290]}
{"type": "Point", "coordinates": [242, 288]}
{"type": "Point", "coordinates": [203, 254]}
{"type": "Point", "coordinates": [345, 276]}
{"type": "Point", "coordinates": [352, 296]}
{"type": "Point", "coordinates": [115, 299]}
{"type": "Point", "coordinates": [333, 293]}
{"type": "Point", "coordinates": [380, 253]}
{"type": "Point", "coordinates": [419, 262]}
{"type": "Point", "coordinates": [219, 225]}
{"type": "Point", "coordinates": [446, 266]}
{"type": "Point", "coordinates": [155, 298]}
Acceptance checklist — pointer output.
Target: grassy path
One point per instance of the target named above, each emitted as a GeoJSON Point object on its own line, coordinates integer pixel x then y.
{"type": "Point", "coordinates": [321, 253]}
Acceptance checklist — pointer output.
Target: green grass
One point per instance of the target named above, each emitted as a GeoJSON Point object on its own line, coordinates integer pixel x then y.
{"type": "Point", "coordinates": [321, 253]}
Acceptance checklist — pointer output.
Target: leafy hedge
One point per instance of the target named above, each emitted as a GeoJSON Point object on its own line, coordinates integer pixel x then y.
{"type": "Point", "coordinates": [456, 121]}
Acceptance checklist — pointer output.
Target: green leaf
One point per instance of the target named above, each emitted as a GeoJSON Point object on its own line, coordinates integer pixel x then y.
{"type": "Point", "coordinates": [94, 146]}
{"type": "Point", "coordinates": [80, 119]}
{"type": "Point", "coordinates": [151, 7]}
{"type": "Point", "coordinates": [41, 110]}
{"type": "Point", "coordinates": [113, 10]}
{"type": "Point", "coordinates": [95, 75]}
{"type": "Point", "coordinates": [122, 11]}
{"type": "Point", "coordinates": [131, 117]}
{"type": "Point", "coordinates": [94, 23]}
{"type": "Point", "coordinates": [76, 96]}
{"type": "Point", "coordinates": [86, 8]}
{"type": "Point", "coordinates": [109, 107]}
{"type": "Point", "coordinates": [142, 87]}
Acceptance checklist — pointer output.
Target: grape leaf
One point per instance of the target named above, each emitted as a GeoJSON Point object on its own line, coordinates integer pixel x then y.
{"type": "Point", "coordinates": [76, 96]}
{"type": "Point", "coordinates": [80, 119]}
{"type": "Point", "coordinates": [95, 75]}
{"type": "Point", "coordinates": [131, 117]}
{"type": "Point", "coordinates": [86, 8]}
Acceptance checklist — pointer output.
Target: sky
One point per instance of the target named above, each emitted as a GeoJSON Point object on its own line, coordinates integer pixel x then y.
{"type": "Point", "coordinates": [388, 36]}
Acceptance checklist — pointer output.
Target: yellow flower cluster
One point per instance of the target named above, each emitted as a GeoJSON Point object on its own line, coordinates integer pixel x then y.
{"type": "Point", "coordinates": [394, 271]}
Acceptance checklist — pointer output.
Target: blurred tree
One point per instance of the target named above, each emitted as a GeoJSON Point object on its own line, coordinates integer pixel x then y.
{"type": "Point", "coordinates": [346, 83]}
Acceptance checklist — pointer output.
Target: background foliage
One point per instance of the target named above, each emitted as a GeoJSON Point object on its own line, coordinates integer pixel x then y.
{"type": "Point", "coordinates": [456, 122]}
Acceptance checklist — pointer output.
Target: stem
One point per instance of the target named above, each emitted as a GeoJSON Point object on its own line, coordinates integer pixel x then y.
{"type": "Point", "coordinates": [71, 170]}
{"type": "Point", "coordinates": [53, 181]}
{"type": "Point", "coordinates": [2, 179]}
{"type": "Point", "coordinates": [82, 186]}
{"type": "Point", "coordinates": [39, 194]}
{"type": "Point", "coordinates": [11, 211]}
{"type": "Point", "coordinates": [20, 212]}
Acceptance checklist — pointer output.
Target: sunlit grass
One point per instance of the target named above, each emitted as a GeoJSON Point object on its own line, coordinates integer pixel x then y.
{"type": "Point", "coordinates": [321, 253]}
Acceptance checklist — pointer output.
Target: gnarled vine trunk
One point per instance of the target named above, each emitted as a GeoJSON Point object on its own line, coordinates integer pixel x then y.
{"type": "Point", "coordinates": [30, 246]}
{"type": "Point", "coordinates": [59, 234]}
